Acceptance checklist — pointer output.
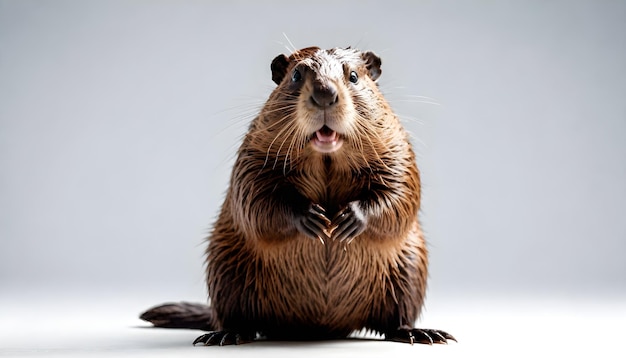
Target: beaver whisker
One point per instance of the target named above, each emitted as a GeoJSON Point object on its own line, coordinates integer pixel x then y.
{"type": "Point", "coordinates": [287, 115]}
{"type": "Point", "coordinates": [290, 107]}
{"type": "Point", "coordinates": [288, 112]}
{"type": "Point", "coordinates": [290, 134]}
{"type": "Point", "coordinates": [283, 96]}
{"type": "Point", "coordinates": [298, 141]}
{"type": "Point", "coordinates": [269, 148]}
{"type": "Point", "coordinates": [359, 146]}
{"type": "Point", "coordinates": [367, 134]}
{"type": "Point", "coordinates": [420, 99]}
{"type": "Point", "coordinates": [269, 151]}
{"type": "Point", "coordinates": [293, 48]}
{"type": "Point", "coordinates": [289, 150]}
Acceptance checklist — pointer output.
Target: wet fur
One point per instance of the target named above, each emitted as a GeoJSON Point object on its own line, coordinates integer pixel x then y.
{"type": "Point", "coordinates": [267, 278]}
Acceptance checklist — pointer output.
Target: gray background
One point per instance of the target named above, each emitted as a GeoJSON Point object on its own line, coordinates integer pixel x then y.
{"type": "Point", "coordinates": [119, 121]}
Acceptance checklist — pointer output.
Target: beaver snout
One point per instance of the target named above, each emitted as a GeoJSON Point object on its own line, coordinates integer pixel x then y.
{"type": "Point", "coordinates": [324, 94]}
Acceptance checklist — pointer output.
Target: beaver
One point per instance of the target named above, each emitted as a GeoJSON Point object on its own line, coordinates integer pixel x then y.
{"type": "Point", "coordinates": [318, 235]}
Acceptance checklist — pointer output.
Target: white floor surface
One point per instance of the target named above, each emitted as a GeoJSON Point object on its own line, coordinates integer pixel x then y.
{"type": "Point", "coordinates": [73, 325]}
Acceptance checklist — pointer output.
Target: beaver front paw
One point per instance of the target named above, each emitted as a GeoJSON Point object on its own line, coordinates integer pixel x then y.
{"type": "Point", "coordinates": [314, 223]}
{"type": "Point", "coordinates": [348, 223]}
{"type": "Point", "coordinates": [417, 335]}
{"type": "Point", "coordinates": [223, 338]}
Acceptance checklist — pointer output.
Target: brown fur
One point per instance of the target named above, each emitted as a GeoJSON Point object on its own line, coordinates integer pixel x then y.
{"type": "Point", "coordinates": [265, 276]}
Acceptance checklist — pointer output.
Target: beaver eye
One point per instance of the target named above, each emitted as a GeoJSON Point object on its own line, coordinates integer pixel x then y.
{"type": "Point", "coordinates": [353, 77]}
{"type": "Point", "coordinates": [296, 76]}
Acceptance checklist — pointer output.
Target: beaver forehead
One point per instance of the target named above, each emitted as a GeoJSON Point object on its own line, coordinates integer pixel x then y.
{"type": "Point", "coordinates": [330, 63]}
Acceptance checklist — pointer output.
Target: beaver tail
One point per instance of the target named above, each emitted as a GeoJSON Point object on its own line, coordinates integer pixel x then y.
{"type": "Point", "coordinates": [180, 315]}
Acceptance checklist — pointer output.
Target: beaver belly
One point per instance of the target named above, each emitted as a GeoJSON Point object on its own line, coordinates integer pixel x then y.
{"type": "Point", "coordinates": [312, 291]}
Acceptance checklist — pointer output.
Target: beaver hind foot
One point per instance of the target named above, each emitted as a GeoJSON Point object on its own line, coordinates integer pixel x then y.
{"type": "Point", "coordinates": [223, 338]}
{"type": "Point", "coordinates": [420, 335]}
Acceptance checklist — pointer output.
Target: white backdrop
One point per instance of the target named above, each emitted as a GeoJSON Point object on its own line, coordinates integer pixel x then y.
{"type": "Point", "coordinates": [119, 121]}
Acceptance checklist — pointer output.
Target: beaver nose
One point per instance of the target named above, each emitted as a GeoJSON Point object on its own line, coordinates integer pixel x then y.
{"type": "Point", "coordinates": [324, 94]}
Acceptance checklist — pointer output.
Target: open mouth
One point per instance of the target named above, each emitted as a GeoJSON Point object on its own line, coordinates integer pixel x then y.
{"type": "Point", "coordinates": [326, 140]}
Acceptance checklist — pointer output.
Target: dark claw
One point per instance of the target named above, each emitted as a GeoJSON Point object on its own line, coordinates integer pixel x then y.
{"type": "Point", "coordinates": [346, 232]}
{"type": "Point", "coordinates": [314, 223]}
{"type": "Point", "coordinates": [309, 229]}
{"type": "Point", "coordinates": [440, 337]}
{"type": "Point", "coordinates": [317, 217]}
{"type": "Point", "coordinates": [318, 209]}
{"type": "Point", "coordinates": [220, 338]}
{"type": "Point", "coordinates": [348, 223]}
{"type": "Point", "coordinates": [422, 336]}
{"type": "Point", "coordinates": [202, 339]}
{"type": "Point", "coordinates": [446, 335]}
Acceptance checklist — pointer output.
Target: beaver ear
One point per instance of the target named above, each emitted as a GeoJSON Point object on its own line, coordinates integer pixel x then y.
{"type": "Point", "coordinates": [279, 68]}
{"type": "Point", "coordinates": [372, 62]}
